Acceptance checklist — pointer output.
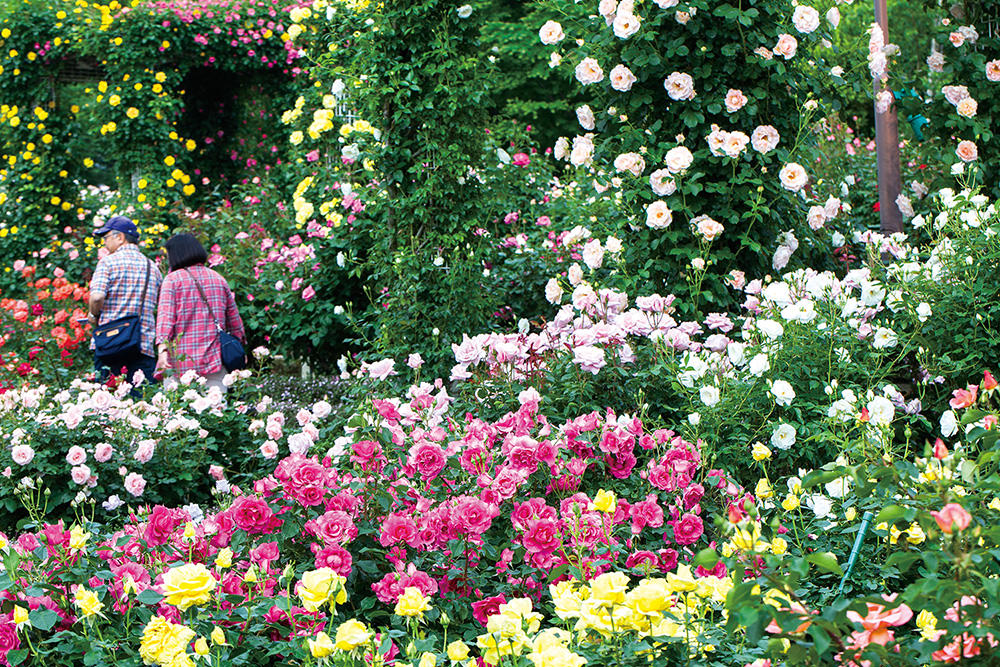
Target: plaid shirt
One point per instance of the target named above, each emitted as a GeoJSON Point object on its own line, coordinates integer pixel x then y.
{"type": "Point", "coordinates": [185, 322]}
{"type": "Point", "coordinates": [120, 276]}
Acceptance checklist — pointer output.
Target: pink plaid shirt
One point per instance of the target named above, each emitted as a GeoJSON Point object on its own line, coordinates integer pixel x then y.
{"type": "Point", "coordinates": [185, 324]}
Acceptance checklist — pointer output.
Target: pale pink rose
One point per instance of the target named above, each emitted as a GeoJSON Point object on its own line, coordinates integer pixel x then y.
{"type": "Point", "coordinates": [816, 217]}
{"type": "Point", "coordinates": [273, 430]}
{"type": "Point", "coordinates": [764, 139]}
{"type": "Point", "coordinates": [658, 215]}
{"type": "Point", "coordinates": [662, 183]}
{"type": "Point", "coordinates": [585, 115]}
{"type": "Point", "coordinates": [588, 72]}
{"type": "Point", "coordinates": [630, 162]}
{"type": "Point", "coordinates": [574, 274]}
{"type": "Point", "coordinates": [781, 256]}
{"type": "Point", "coordinates": [269, 449]}
{"type": "Point", "coordinates": [607, 9]}
{"type": "Point", "coordinates": [135, 484]}
{"type": "Point", "coordinates": [625, 24]}
{"type": "Point", "coordinates": [583, 296]}
{"type": "Point", "coordinates": [308, 293]}
{"type": "Point", "coordinates": [22, 454]}
{"type": "Point", "coordinates": [76, 455]}
{"type": "Point", "coordinates": [19, 265]}
{"type": "Point", "coordinates": [469, 351]}
{"type": "Point", "coordinates": [666, 4]}
{"type": "Point", "coordinates": [707, 227]}
{"type": "Point", "coordinates": [621, 78]}
{"type": "Point", "coordinates": [883, 100]}
{"type": "Point", "coordinates": [589, 358]}
{"type": "Point", "coordinates": [955, 94]}
{"type": "Point", "coordinates": [993, 70]}
{"type": "Point", "coordinates": [216, 471]}
{"type": "Point", "coordinates": [551, 33]}
{"type": "Point", "coordinates": [678, 159]}
{"type": "Point", "coordinates": [831, 207]}
{"type": "Point", "coordinates": [764, 52]}
{"type": "Point", "coordinates": [793, 177]}
{"type": "Point", "coordinates": [593, 254]}
{"type": "Point", "coordinates": [103, 452]}
{"type": "Point", "coordinates": [415, 361]}
{"type": "Point", "coordinates": [967, 151]}
{"type": "Point", "coordinates": [144, 452]}
{"type": "Point", "coordinates": [736, 143]}
{"type": "Point", "coordinates": [787, 46]}
{"type": "Point", "coordinates": [735, 100]}
{"type": "Point", "coordinates": [967, 108]}
{"type": "Point", "coordinates": [459, 372]}
{"type": "Point", "coordinates": [935, 61]}
{"type": "Point", "coordinates": [80, 474]}
{"type": "Point", "coordinates": [957, 39]}
{"type": "Point", "coordinates": [904, 205]}
{"type": "Point", "coordinates": [717, 139]}
{"type": "Point", "coordinates": [583, 150]}
{"type": "Point", "coordinates": [561, 149]}
{"type": "Point", "coordinates": [382, 369]}
{"type": "Point", "coordinates": [680, 86]}
{"type": "Point", "coordinates": [805, 19]}
{"type": "Point", "coordinates": [553, 291]}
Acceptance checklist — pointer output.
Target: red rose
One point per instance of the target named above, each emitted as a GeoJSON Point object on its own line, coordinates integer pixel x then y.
{"type": "Point", "coordinates": [487, 607]}
{"type": "Point", "coordinates": [161, 523]}
{"type": "Point", "coordinates": [251, 514]}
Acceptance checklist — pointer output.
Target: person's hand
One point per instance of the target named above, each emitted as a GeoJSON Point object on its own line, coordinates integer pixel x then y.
{"type": "Point", "coordinates": [92, 318]}
{"type": "Point", "coordinates": [162, 364]}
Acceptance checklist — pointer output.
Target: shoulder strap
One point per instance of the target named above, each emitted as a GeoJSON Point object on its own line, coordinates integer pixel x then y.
{"type": "Point", "coordinates": [145, 285]}
{"type": "Point", "coordinates": [204, 299]}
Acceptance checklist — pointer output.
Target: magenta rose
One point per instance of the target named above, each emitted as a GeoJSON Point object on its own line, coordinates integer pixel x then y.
{"type": "Point", "coordinates": [642, 560]}
{"type": "Point", "coordinates": [251, 514]}
{"type": "Point", "coordinates": [487, 607]}
{"type": "Point", "coordinates": [474, 516]}
{"type": "Point", "coordinates": [397, 528]}
{"type": "Point", "coordinates": [428, 458]}
{"type": "Point", "coordinates": [688, 529]}
{"type": "Point", "coordinates": [334, 557]}
{"type": "Point", "coordinates": [333, 527]}
{"type": "Point", "coordinates": [8, 638]}
{"type": "Point", "coordinates": [542, 536]}
{"type": "Point", "coordinates": [162, 523]}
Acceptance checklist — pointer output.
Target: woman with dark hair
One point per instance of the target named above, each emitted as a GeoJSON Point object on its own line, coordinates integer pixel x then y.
{"type": "Point", "coordinates": [195, 303]}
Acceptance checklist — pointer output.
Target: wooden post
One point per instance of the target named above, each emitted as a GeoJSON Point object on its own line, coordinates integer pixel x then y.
{"type": "Point", "coordinates": [887, 147]}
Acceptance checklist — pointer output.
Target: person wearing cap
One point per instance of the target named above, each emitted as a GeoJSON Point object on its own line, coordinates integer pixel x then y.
{"type": "Point", "coordinates": [116, 290]}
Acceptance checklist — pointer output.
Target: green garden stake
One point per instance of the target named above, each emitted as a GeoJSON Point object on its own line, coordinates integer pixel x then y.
{"type": "Point", "coordinates": [865, 520]}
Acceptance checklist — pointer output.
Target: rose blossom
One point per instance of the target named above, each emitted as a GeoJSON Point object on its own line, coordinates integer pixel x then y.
{"type": "Point", "coordinates": [954, 94]}
{"type": "Point", "coordinates": [688, 529]}
{"type": "Point", "coordinates": [593, 254]}
{"type": "Point", "coordinates": [680, 86]}
{"type": "Point", "coordinates": [735, 144]}
{"type": "Point", "coordinates": [630, 162]}
{"type": "Point", "coordinates": [678, 159]}
{"type": "Point", "coordinates": [103, 452]}
{"type": "Point", "coordinates": [993, 70]}
{"type": "Point", "coordinates": [583, 150]}
{"type": "Point", "coordinates": [805, 19]}
{"type": "Point", "coordinates": [662, 183]}
{"type": "Point", "coordinates": [621, 78]}
{"type": "Point", "coordinates": [787, 46]}
{"type": "Point", "coordinates": [269, 449]}
{"type": "Point", "coordinates": [707, 227]}
{"type": "Point", "coordinates": [658, 215]}
{"type": "Point", "coordinates": [967, 108]}
{"type": "Point", "coordinates": [22, 454]}
{"type": "Point", "coordinates": [588, 72]}
{"type": "Point", "coordinates": [135, 484]}
{"type": "Point", "coordinates": [551, 33]}
{"type": "Point", "coordinates": [589, 358]}
{"type": "Point", "coordinates": [967, 151]}
{"type": "Point", "coordinates": [793, 177]}
{"type": "Point", "coordinates": [76, 455]}
{"type": "Point", "coordinates": [625, 24]}
{"type": "Point", "coordinates": [952, 516]}
{"type": "Point", "coordinates": [735, 100]}
{"type": "Point", "coordinates": [585, 116]}
{"type": "Point", "coordinates": [764, 139]}
{"type": "Point", "coordinates": [80, 474]}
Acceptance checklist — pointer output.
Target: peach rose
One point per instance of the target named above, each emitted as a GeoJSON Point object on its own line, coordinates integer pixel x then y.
{"type": "Point", "coordinates": [805, 19]}
{"type": "Point", "coordinates": [630, 162]}
{"type": "Point", "coordinates": [583, 150]}
{"type": "Point", "coordinates": [625, 24]}
{"type": "Point", "coordinates": [736, 143]}
{"type": "Point", "coordinates": [658, 215]}
{"type": "Point", "coordinates": [588, 72]}
{"type": "Point", "coordinates": [786, 46]}
{"type": "Point", "coordinates": [735, 100]}
{"type": "Point", "coordinates": [993, 70]}
{"type": "Point", "coordinates": [707, 227]}
{"type": "Point", "coordinates": [793, 177]}
{"type": "Point", "coordinates": [680, 86]}
{"type": "Point", "coordinates": [967, 151]}
{"type": "Point", "coordinates": [662, 183]}
{"type": "Point", "coordinates": [621, 78]}
{"type": "Point", "coordinates": [967, 107]}
{"type": "Point", "coordinates": [952, 516]}
{"type": "Point", "coordinates": [678, 159]}
{"type": "Point", "coordinates": [764, 139]}
{"type": "Point", "coordinates": [585, 116]}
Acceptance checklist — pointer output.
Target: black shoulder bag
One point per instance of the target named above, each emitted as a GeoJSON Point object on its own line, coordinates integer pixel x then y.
{"type": "Point", "coordinates": [122, 338]}
{"type": "Point", "coordinates": [234, 357]}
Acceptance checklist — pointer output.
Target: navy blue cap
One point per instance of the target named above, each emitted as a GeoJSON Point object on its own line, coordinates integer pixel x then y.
{"type": "Point", "coordinates": [118, 223]}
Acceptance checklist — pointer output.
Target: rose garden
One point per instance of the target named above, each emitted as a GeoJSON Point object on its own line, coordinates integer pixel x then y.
{"type": "Point", "coordinates": [636, 332]}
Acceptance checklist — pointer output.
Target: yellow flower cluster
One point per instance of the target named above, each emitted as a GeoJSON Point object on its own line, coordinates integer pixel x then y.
{"type": "Point", "coordinates": [322, 122]}
{"type": "Point", "coordinates": [412, 603]}
{"type": "Point", "coordinates": [359, 125]}
{"type": "Point", "coordinates": [165, 643]}
{"type": "Point", "coordinates": [188, 585]}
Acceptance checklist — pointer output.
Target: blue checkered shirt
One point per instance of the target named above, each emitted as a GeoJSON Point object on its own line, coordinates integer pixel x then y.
{"type": "Point", "coordinates": [120, 276]}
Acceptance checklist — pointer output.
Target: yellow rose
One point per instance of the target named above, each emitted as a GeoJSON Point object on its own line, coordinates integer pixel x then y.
{"type": "Point", "coordinates": [779, 546]}
{"type": "Point", "coordinates": [87, 602]}
{"type": "Point", "coordinates": [77, 537]}
{"type": "Point", "coordinates": [791, 502]}
{"type": "Point", "coordinates": [650, 596]}
{"type": "Point", "coordinates": [428, 660]}
{"type": "Point", "coordinates": [218, 636]}
{"type": "Point", "coordinates": [188, 585]}
{"type": "Point", "coordinates": [351, 634]}
{"type": "Point", "coordinates": [412, 603]}
{"type": "Point", "coordinates": [610, 587]}
{"type": "Point", "coordinates": [605, 501]}
{"type": "Point", "coordinates": [915, 534]}
{"type": "Point", "coordinates": [320, 646]}
{"type": "Point", "coordinates": [318, 587]}
{"type": "Point", "coordinates": [201, 646]}
{"type": "Point", "coordinates": [169, 160]}
{"type": "Point", "coordinates": [224, 558]}
{"type": "Point", "coordinates": [132, 112]}
{"type": "Point", "coordinates": [20, 615]}
{"type": "Point", "coordinates": [114, 100]}
{"type": "Point", "coordinates": [850, 514]}
{"type": "Point", "coordinates": [760, 452]}
{"type": "Point", "coordinates": [458, 650]}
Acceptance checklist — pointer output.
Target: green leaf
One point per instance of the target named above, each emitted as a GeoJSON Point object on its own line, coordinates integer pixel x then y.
{"type": "Point", "coordinates": [16, 657]}
{"type": "Point", "coordinates": [890, 514]}
{"type": "Point", "coordinates": [43, 619]}
{"type": "Point", "coordinates": [825, 560]}
{"type": "Point", "coordinates": [706, 558]}
{"type": "Point", "coordinates": [149, 596]}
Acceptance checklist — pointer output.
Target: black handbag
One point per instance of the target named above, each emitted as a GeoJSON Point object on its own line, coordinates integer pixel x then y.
{"type": "Point", "coordinates": [121, 339]}
{"type": "Point", "coordinates": [234, 356]}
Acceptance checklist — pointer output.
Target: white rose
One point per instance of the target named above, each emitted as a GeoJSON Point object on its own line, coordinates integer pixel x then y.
{"type": "Point", "coordinates": [679, 86]}
{"type": "Point", "coordinates": [551, 33]}
{"type": "Point", "coordinates": [764, 139]}
{"type": "Point", "coordinates": [593, 254]}
{"type": "Point", "coordinates": [805, 19]}
{"type": "Point", "coordinates": [588, 72]}
{"type": "Point", "coordinates": [464, 12]}
{"type": "Point", "coordinates": [662, 183]}
{"type": "Point", "coordinates": [585, 115]}
{"type": "Point", "coordinates": [625, 24]}
{"type": "Point", "coordinates": [709, 395]}
{"type": "Point", "coordinates": [782, 392]}
{"type": "Point", "coordinates": [658, 215]}
{"type": "Point", "coordinates": [880, 411]}
{"type": "Point", "coordinates": [678, 159]}
{"type": "Point", "coordinates": [621, 78]}
{"type": "Point", "coordinates": [783, 437]}
{"type": "Point", "coordinates": [949, 424]}
{"type": "Point", "coordinates": [793, 177]}
{"type": "Point", "coordinates": [553, 291]}
{"type": "Point", "coordinates": [759, 364]}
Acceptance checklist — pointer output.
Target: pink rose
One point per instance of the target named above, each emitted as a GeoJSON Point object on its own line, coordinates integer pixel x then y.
{"type": "Point", "coordinates": [542, 536]}
{"type": "Point", "coordinates": [144, 452]}
{"type": "Point", "coordinates": [80, 474]}
{"type": "Point", "coordinates": [135, 484]}
{"type": "Point", "coordinates": [735, 100]}
{"type": "Point", "coordinates": [22, 454]}
{"type": "Point", "coordinates": [428, 458]}
{"type": "Point", "coordinates": [76, 455]}
{"type": "Point", "coordinates": [521, 160]}
{"type": "Point", "coordinates": [251, 514]}
{"type": "Point", "coordinates": [269, 449]}
{"type": "Point", "coordinates": [103, 452]}
{"type": "Point", "coordinates": [397, 528]}
{"type": "Point", "coordinates": [952, 516]}
{"type": "Point", "coordinates": [333, 527]}
{"type": "Point", "coordinates": [688, 529]}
